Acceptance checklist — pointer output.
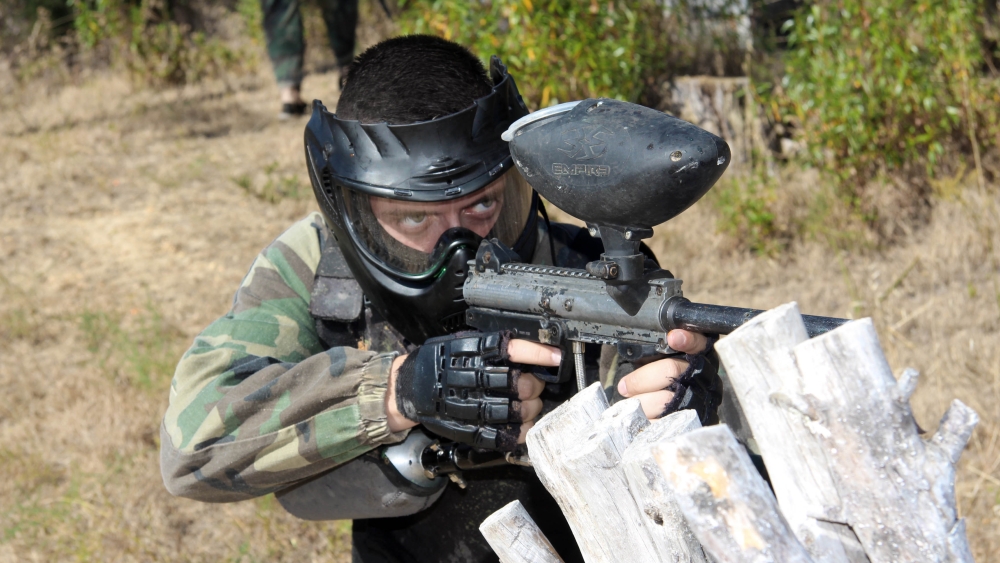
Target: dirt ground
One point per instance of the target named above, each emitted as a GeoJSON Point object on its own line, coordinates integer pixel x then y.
{"type": "Point", "coordinates": [128, 218]}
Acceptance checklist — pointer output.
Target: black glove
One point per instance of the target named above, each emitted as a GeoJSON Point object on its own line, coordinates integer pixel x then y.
{"type": "Point", "coordinates": [699, 386]}
{"type": "Point", "coordinates": [461, 387]}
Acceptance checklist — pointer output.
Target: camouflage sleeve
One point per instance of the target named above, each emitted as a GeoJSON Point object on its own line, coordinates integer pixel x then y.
{"type": "Point", "coordinates": [256, 403]}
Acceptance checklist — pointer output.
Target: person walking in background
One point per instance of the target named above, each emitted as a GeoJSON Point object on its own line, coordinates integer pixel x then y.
{"type": "Point", "coordinates": [286, 44]}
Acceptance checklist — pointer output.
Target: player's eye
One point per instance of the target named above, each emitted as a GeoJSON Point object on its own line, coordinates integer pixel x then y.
{"type": "Point", "coordinates": [413, 219]}
{"type": "Point", "coordinates": [483, 206]}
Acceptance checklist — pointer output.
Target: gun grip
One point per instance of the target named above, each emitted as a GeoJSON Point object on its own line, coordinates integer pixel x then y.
{"type": "Point", "coordinates": [631, 355]}
{"type": "Point", "coordinates": [567, 367]}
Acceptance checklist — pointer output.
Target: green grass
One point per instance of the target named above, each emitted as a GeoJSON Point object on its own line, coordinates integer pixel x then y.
{"type": "Point", "coordinates": [745, 212]}
{"type": "Point", "coordinates": [20, 320]}
{"type": "Point", "coordinates": [140, 348]}
{"type": "Point", "coordinates": [277, 185]}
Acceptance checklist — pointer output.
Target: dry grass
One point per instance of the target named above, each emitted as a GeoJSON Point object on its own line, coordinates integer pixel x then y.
{"type": "Point", "coordinates": [122, 233]}
{"type": "Point", "coordinates": [129, 217]}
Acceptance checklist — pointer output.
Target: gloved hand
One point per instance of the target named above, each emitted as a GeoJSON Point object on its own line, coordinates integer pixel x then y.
{"type": "Point", "coordinates": [466, 387]}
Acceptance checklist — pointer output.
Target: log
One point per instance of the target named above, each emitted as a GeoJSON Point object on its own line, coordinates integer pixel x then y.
{"type": "Point", "coordinates": [580, 467]}
{"type": "Point", "coordinates": [840, 443]}
{"type": "Point", "coordinates": [764, 377]}
{"type": "Point", "coordinates": [557, 431]}
{"type": "Point", "coordinates": [516, 538]}
{"type": "Point", "coordinates": [726, 502]}
{"type": "Point", "coordinates": [853, 478]}
{"type": "Point", "coordinates": [609, 524]}
{"type": "Point", "coordinates": [897, 490]}
{"type": "Point", "coordinates": [654, 495]}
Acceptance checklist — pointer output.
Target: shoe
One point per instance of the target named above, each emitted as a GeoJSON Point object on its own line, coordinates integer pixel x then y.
{"type": "Point", "coordinates": [290, 110]}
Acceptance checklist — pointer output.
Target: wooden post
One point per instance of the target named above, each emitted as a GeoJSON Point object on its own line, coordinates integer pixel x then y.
{"type": "Point", "coordinates": [726, 502]}
{"type": "Point", "coordinates": [610, 526]}
{"type": "Point", "coordinates": [849, 469]}
{"type": "Point", "coordinates": [654, 495]}
{"type": "Point", "coordinates": [897, 490]}
{"type": "Point", "coordinates": [558, 431]}
{"type": "Point", "coordinates": [584, 475]}
{"type": "Point", "coordinates": [516, 538]}
{"type": "Point", "coordinates": [764, 376]}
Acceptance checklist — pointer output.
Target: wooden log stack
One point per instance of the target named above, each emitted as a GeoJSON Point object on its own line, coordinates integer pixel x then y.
{"type": "Point", "coordinates": [851, 479]}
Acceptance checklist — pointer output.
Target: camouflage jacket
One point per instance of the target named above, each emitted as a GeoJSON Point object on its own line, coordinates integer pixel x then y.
{"type": "Point", "coordinates": [258, 402]}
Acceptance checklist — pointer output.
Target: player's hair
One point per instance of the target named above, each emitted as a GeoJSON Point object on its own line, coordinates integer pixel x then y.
{"type": "Point", "coordinates": [412, 78]}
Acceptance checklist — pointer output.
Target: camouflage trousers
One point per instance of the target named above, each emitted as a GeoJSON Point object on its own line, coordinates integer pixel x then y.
{"type": "Point", "coordinates": [286, 42]}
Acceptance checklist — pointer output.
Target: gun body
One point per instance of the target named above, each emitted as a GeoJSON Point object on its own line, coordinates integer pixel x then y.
{"type": "Point", "coordinates": [559, 306]}
{"type": "Point", "coordinates": [553, 305]}
{"type": "Point", "coordinates": [647, 168]}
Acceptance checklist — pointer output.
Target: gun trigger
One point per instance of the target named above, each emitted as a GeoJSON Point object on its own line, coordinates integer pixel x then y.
{"type": "Point", "coordinates": [631, 351]}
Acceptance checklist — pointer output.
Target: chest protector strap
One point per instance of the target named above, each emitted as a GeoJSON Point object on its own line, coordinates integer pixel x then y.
{"type": "Point", "coordinates": [336, 302]}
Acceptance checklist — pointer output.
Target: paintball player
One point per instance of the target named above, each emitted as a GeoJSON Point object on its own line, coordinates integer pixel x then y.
{"type": "Point", "coordinates": [286, 45]}
{"type": "Point", "coordinates": [320, 366]}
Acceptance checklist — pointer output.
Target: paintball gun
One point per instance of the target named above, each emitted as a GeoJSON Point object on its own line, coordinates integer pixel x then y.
{"type": "Point", "coordinates": [623, 169]}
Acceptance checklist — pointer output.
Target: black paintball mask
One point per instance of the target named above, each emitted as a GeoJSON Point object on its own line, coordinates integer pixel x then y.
{"type": "Point", "coordinates": [409, 204]}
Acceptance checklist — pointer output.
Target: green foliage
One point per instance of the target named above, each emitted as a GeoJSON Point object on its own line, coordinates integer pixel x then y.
{"type": "Point", "coordinates": [153, 47]}
{"type": "Point", "coordinates": [276, 186]}
{"type": "Point", "coordinates": [874, 85]}
{"type": "Point", "coordinates": [250, 13]}
{"type": "Point", "coordinates": [559, 50]}
{"type": "Point", "coordinates": [745, 207]}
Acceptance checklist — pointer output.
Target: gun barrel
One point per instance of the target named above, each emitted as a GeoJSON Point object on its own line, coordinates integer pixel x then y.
{"type": "Point", "coordinates": [721, 319]}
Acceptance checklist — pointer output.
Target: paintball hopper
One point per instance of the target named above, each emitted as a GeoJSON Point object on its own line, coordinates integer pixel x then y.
{"type": "Point", "coordinates": [623, 169]}
{"type": "Point", "coordinates": [609, 162]}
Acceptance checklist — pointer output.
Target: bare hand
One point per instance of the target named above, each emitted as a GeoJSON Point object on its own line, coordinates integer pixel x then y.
{"type": "Point", "coordinates": [649, 382]}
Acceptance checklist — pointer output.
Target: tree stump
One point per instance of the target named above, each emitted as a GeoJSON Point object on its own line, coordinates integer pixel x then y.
{"type": "Point", "coordinates": [723, 106]}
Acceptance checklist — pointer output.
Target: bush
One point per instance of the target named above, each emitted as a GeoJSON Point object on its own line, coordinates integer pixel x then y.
{"type": "Point", "coordinates": [559, 50]}
{"type": "Point", "coordinates": [871, 86]}
{"type": "Point", "coordinates": [145, 38]}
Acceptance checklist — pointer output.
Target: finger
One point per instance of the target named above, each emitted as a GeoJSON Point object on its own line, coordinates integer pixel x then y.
{"type": "Point", "coordinates": [653, 404]}
{"type": "Point", "coordinates": [527, 352]}
{"type": "Point", "coordinates": [527, 410]}
{"type": "Point", "coordinates": [529, 386]}
{"type": "Point", "coordinates": [687, 341]}
{"type": "Point", "coordinates": [524, 431]}
{"type": "Point", "coordinates": [651, 377]}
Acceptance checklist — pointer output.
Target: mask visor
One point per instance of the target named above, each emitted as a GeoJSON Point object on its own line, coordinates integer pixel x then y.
{"type": "Point", "coordinates": [415, 239]}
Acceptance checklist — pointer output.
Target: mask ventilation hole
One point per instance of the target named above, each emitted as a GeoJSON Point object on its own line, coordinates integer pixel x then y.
{"type": "Point", "coordinates": [327, 181]}
{"type": "Point", "coordinates": [454, 323]}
